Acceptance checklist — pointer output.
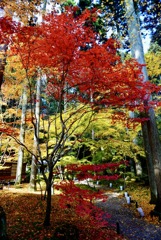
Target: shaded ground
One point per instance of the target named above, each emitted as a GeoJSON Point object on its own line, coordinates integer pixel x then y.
{"type": "Point", "coordinates": [131, 226]}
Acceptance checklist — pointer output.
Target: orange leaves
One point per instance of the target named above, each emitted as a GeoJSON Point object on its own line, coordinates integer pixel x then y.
{"type": "Point", "coordinates": [8, 130]}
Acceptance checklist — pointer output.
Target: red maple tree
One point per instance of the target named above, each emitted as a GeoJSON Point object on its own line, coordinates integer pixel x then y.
{"type": "Point", "coordinates": [78, 68]}
{"type": "Point", "coordinates": [66, 50]}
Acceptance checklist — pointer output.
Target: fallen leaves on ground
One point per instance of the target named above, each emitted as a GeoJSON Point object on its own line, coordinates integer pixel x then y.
{"type": "Point", "coordinates": [141, 195]}
{"type": "Point", "coordinates": [25, 215]}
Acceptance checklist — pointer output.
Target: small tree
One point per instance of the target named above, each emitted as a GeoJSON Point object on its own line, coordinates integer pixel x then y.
{"type": "Point", "coordinates": [80, 200]}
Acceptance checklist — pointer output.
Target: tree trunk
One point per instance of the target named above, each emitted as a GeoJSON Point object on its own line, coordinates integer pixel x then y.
{"type": "Point", "coordinates": [149, 163]}
{"type": "Point", "coordinates": [149, 128]}
{"type": "Point", "coordinates": [22, 137]}
{"type": "Point", "coordinates": [48, 200]}
{"type": "Point", "coordinates": [156, 153]}
{"type": "Point", "coordinates": [36, 137]}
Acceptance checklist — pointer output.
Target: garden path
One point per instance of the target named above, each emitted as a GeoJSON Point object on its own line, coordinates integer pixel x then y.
{"type": "Point", "coordinates": [130, 226]}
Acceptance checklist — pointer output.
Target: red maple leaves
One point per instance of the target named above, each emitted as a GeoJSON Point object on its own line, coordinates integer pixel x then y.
{"type": "Point", "coordinates": [66, 51]}
{"type": "Point", "coordinates": [93, 171]}
{"type": "Point", "coordinates": [7, 28]}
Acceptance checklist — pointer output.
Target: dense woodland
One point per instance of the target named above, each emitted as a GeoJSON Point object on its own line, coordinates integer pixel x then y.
{"type": "Point", "coordinates": [80, 99]}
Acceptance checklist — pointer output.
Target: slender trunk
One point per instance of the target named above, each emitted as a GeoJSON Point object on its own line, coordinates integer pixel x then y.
{"type": "Point", "coordinates": [22, 137]}
{"type": "Point", "coordinates": [36, 137]}
{"type": "Point", "coordinates": [48, 199]}
{"type": "Point", "coordinates": [61, 172]}
{"type": "Point", "coordinates": [150, 133]}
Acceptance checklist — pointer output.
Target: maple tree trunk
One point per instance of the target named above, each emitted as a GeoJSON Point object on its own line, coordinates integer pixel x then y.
{"type": "Point", "coordinates": [48, 198]}
{"type": "Point", "coordinates": [22, 137]}
{"type": "Point", "coordinates": [149, 128]}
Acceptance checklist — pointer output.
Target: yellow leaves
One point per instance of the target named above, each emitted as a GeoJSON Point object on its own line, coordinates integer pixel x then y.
{"type": "Point", "coordinates": [142, 196]}
{"type": "Point", "coordinates": [153, 61]}
{"type": "Point", "coordinates": [13, 111]}
{"type": "Point", "coordinates": [15, 77]}
{"type": "Point", "coordinates": [13, 92]}
{"type": "Point", "coordinates": [14, 70]}
{"type": "Point", "coordinates": [21, 9]}
{"type": "Point", "coordinates": [111, 2]}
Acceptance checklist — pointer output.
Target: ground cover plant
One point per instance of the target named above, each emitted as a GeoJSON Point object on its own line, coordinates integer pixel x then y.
{"type": "Point", "coordinates": [25, 213]}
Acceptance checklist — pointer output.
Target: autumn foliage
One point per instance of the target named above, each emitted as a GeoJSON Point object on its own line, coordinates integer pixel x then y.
{"type": "Point", "coordinates": [7, 28]}
{"type": "Point", "coordinates": [25, 214]}
{"type": "Point", "coordinates": [80, 69]}
{"type": "Point", "coordinates": [77, 67]}
{"type": "Point", "coordinates": [66, 50]}
{"type": "Point", "coordinates": [93, 172]}
{"type": "Point", "coordinates": [80, 202]}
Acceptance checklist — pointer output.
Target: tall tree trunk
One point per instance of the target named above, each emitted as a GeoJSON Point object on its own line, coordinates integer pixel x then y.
{"type": "Point", "coordinates": [36, 136]}
{"type": "Point", "coordinates": [22, 137]}
{"type": "Point", "coordinates": [149, 163]}
{"type": "Point", "coordinates": [149, 128]}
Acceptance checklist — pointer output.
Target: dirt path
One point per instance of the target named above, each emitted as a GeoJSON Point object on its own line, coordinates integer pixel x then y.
{"type": "Point", "coordinates": [130, 226]}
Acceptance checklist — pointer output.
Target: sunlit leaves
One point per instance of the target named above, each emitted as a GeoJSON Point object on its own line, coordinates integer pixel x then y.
{"type": "Point", "coordinates": [14, 78]}
{"type": "Point", "coordinates": [21, 10]}
{"type": "Point", "coordinates": [96, 69]}
{"type": "Point", "coordinates": [77, 68]}
{"type": "Point", "coordinates": [153, 60]}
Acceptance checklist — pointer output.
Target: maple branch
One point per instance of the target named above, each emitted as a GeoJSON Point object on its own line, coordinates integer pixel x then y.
{"type": "Point", "coordinates": [23, 145]}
